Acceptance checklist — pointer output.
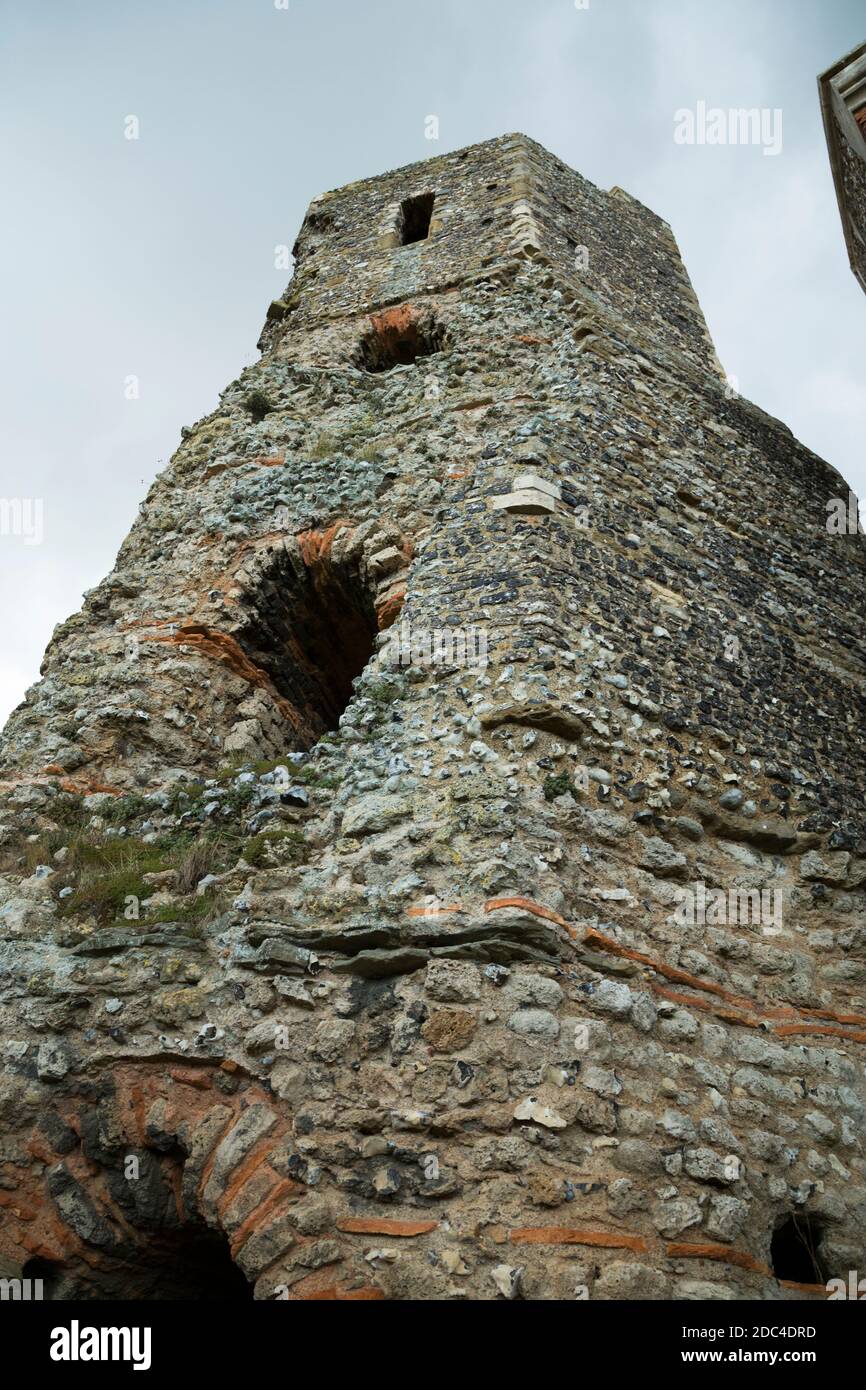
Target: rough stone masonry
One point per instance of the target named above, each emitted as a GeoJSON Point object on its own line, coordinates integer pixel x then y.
{"type": "Point", "coordinates": [353, 839]}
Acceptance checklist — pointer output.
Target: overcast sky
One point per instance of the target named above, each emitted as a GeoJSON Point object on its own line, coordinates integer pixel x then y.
{"type": "Point", "coordinates": [155, 257]}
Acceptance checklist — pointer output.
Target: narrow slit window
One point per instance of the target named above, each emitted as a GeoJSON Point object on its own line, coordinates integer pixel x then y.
{"type": "Point", "coordinates": [415, 215]}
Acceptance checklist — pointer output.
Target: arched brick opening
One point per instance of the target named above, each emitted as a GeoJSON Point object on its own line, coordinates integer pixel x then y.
{"type": "Point", "coordinates": [216, 1205]}
{"type": "Point", "coordinates": [309, 608]}
{"type": "Point", "coordinates": [310, 626]}
{"type": "Point", "coordinates": [151, 1185]}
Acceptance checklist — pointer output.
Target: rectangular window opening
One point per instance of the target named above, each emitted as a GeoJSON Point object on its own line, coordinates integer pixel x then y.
{"type": "Point", "coordinates": [415, 215]}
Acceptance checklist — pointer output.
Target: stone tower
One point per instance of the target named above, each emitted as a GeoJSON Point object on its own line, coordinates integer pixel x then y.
{"type": "Point", "coordinates": [843, 106]}
{"type": "Point", "coordinates": [433, 859]}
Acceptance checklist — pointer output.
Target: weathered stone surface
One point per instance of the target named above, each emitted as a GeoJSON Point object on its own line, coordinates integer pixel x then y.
{"type": "Point", "coordinates": [265, 1246]}
{"type": "Point", "coordinates": [252, 1126]}
{"type": "Point", "coordinates": [373, 813]}
{"type": "Point", "coordinates": [631, 1281]}
{"type": "Point", "coordinates": [357, 843]}
{"type": "Point", "coordinates": [534, 1023]}
{"type": "Point", "coordinates": [539, 1114]}
{"type": "Point", "coordinates": [448, 1030]}
{"type": "Point", "coordinates": [52, 1062]}
{"type": "Point", "coordinates": [828, 868]}
{"type": "Point", "coordinates": [453, 982]}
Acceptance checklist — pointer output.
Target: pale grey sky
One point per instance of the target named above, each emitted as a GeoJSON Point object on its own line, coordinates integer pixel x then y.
{"type": "Point", "coordinates": [155, 257]}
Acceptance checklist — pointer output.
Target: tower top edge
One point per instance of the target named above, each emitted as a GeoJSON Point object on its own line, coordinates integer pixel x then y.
{"type": "Point", "coordinates": [480, 150]}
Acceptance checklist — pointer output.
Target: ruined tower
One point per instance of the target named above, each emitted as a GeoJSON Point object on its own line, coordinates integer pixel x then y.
{"type": "Point", "coordinates": [433, 858]}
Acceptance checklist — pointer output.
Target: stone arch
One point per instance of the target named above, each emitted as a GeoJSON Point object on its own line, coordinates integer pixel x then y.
{"type": "Point", "coordinates": [309, 611]}
{"type": "Point", "coordinates": [223, 1205]}
{"type": "Point", "coordinates": [156, 1183]}
{"type": "Point", "coordinates": [292, 626]}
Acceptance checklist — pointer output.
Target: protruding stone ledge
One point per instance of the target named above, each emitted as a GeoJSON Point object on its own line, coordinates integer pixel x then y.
{"type": "Point", "coordinates": [531, 496]}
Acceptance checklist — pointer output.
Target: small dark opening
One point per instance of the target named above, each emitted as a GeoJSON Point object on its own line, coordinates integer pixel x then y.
{"type": "Point", "coordinates": [191, 1264]}
{"type": "Point", "coordinates": [45, 1270]}
{"type": "Point", "coordinates": [335, 631]}
{"type": "Point", "coordinates": [399, 342]}
{"type": "Point", "coordinates": [183, 1265]}
{"type": "Point", "coordinates": [313, 632]}
{"type": "Point", "coordinates": [415, 215]}
{"type": "Point", "coordinates": [795, 1250]}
